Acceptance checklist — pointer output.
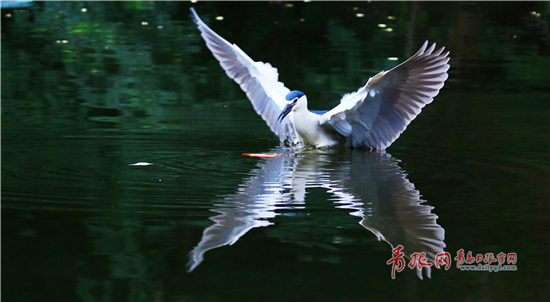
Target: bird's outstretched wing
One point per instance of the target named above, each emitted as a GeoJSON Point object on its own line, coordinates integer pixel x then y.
{"type": "Point", "coordinates": [376, 114]}
{"type": "Point", "coordinates": [258, 80]}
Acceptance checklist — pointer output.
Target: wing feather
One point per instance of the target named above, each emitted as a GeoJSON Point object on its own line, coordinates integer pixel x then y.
{"type": "Point", "coordinates": [376, 114]}
{"type": "Point", "coordinates": [257, 79]}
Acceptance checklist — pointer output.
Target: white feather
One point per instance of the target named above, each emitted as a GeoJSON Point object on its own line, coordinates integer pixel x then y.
{"type": "Point", "coordinates": [257, 79]}
{"type": "Point", "coordinates": [374, 116]}
{"type": "Point", "coordinates": [381, 110]}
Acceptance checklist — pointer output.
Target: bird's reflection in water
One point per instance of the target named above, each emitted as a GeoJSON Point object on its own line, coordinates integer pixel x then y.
{"type": "Point", "coordinates": [370, 185]}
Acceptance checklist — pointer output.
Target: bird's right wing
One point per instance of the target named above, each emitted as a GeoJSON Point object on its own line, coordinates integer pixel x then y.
{"type": "Point", "coordinates": [257, 79]}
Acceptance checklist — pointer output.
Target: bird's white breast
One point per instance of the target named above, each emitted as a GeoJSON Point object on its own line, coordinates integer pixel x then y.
{"type": "Point", "coordinates": [308, 128]}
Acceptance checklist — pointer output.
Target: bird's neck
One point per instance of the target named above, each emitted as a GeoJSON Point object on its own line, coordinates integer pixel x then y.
{"type": "Point", "coordinates": [303, 115]}
{"type": "Point", "coordinates": [306, 124]}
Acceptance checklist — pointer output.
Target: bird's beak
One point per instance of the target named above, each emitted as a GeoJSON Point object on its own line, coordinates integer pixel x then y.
{"type": "Point", "coordinates": [285, 111]}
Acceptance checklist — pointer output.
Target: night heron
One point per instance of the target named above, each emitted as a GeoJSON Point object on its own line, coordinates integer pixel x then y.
{"type": "Point", "coordinates": [374, 116]}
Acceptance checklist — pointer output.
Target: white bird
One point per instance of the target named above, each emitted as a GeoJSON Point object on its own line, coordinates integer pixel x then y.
{"type": "Point", "coordinates": [374, 116]}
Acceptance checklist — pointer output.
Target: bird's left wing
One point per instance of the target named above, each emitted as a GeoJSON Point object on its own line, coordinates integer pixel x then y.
{"type": "Point", "coordinates": [258, 80]}
{"type": "Point", "coordinates": [376, 114]}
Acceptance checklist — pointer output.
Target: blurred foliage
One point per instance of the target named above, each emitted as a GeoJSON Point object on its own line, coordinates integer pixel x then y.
{"type": "Point", "coordinates": [134, 57]}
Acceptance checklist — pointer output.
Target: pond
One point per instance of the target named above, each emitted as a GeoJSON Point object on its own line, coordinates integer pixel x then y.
{"type": "Point", "coordinates": [123, 175]}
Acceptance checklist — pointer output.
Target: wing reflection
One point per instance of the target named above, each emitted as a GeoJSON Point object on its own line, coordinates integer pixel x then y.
{"type": "Point", "coordinates": [370, 185]}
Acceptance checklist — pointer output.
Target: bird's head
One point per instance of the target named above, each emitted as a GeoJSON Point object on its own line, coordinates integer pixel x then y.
{"type": "Point", "coordinates": [296, 100]}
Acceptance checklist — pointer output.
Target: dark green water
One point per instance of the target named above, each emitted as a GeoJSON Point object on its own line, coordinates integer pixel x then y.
{"type": "Point", "coordinates": [86, 93]}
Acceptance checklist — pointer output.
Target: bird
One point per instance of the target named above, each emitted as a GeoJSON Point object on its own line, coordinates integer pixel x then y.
{"type": "Point", "coordinates": [372, 117]}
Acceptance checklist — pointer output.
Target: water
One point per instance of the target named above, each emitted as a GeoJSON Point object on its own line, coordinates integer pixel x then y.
{"type": "Point", "coordinates": [80, 222]}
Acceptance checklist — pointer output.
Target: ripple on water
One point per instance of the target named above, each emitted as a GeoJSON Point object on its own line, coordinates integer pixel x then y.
{"type": "Point", "coordinates": [82, 172]}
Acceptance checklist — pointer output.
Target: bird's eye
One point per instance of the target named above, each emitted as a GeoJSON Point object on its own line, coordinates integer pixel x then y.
{"type": "Point", "coordinates": [295, 100]}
